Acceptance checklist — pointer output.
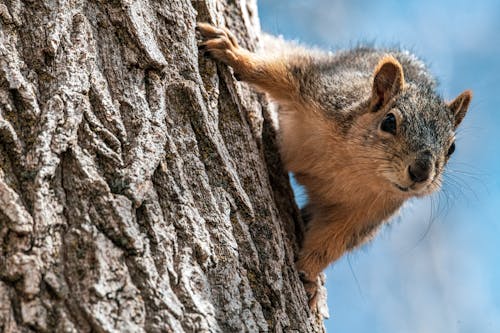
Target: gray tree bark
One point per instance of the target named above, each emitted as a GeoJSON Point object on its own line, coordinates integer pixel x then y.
{"type": "Point", "coordinates": [141, 188]}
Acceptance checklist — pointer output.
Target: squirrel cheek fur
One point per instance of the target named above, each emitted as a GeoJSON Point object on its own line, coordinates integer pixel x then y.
{"type": "Point", "coordinates": [362, 130]}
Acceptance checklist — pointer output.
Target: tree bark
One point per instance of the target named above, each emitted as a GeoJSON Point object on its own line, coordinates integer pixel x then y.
{"type": "Point", "coordinates": [141, 188]}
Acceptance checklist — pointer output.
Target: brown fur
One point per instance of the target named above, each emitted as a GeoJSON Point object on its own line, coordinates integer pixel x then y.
{"type": "Point", "coordinates": [330, 110]}
{"type": "Point", "coordinates": [460, 105]}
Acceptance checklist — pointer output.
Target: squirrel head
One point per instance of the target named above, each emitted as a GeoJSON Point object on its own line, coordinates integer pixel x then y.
{"type": "Point", "coordinates": [408, 133]}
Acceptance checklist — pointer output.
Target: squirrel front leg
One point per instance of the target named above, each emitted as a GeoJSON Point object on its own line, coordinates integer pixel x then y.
{"type": "Point", "coordinates": [325, 241]}
{"type": "Point", "coordinates": [268, 73]}
{"type": "Point", "coordinates": [313, 259]}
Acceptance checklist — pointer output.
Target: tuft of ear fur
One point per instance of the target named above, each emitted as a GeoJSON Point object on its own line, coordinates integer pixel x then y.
{"type": "Point", "coordinates": [388, 81]}
{"type": "Point", "coordinates": [460, 105]}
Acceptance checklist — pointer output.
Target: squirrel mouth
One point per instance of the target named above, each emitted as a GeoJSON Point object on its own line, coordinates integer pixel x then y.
{"type": "Point", "coordinates": [413, 189]}
{"type": "Point", "coordinates": [401, 188]}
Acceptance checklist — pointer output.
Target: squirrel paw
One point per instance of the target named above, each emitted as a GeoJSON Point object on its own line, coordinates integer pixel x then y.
{"type": "Point", "coordinates": [311, 286]}
{"type": "Point", "coordinates": [219, 43]}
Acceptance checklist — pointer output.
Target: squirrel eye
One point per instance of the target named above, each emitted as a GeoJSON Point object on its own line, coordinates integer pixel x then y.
{"type": "Point", "coordinates": [389, 124]}
{"type": "Point", "coordinates": [451, 149]}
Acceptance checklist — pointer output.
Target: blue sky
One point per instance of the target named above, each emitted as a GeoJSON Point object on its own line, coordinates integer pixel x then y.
{"type": "Point", "coordinates": [436, 268]}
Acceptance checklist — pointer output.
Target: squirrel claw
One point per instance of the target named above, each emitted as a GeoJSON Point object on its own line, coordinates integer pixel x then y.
{"type": "Point", "coordinates": [219, 43]}
{"type": "Point", "coordinates": [311, 288]}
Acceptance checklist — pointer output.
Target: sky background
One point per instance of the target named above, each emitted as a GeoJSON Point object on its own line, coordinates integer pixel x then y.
{"type": "Point", "coordinates": [435, 268]}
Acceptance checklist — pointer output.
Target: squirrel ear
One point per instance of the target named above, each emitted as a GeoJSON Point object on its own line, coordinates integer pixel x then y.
{"type": "Point", "coordinates": [460, 105]}
{"type": "Point", "coordinates": [388, 81]}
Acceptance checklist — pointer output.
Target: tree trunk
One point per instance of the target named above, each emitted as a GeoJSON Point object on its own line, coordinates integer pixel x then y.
{"type": "Point", "coordinates": [140, 185]}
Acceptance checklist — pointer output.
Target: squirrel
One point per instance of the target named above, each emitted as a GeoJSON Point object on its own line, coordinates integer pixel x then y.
{"type": "Point", "coordinates": [363, 130]}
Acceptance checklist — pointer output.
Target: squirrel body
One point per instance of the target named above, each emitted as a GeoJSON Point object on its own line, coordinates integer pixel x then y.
{"type": "Point", "coordinates": [362, 130]}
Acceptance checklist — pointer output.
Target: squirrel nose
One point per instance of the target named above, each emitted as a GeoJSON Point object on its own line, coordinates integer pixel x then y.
{"type": "Point", "coordinates": [420, 170]}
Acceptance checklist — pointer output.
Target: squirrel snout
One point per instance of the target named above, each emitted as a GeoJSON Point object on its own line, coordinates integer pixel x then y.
{"type": "Point", "coordinates": [421, 169]}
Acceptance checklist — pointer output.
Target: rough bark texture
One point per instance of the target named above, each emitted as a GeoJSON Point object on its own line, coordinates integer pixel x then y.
{"type": "Point", "coordinates": [140, 186]}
